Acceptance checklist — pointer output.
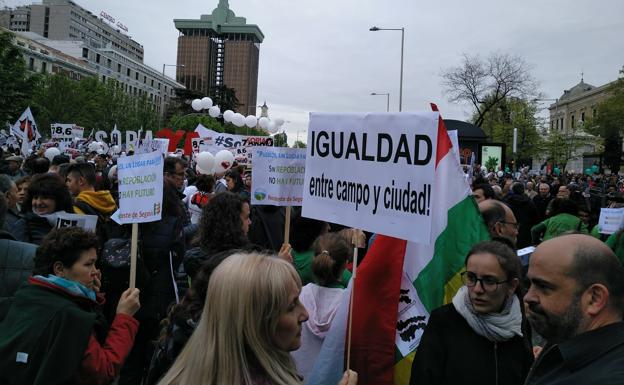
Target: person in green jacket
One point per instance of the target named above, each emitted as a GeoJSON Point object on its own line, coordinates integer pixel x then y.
{"type": "Point", "coordinates": [303, 233]}
{"type": "Point", "coordinates": [616, 243]}
{"type": "Point", "coordinates": [564, 218]}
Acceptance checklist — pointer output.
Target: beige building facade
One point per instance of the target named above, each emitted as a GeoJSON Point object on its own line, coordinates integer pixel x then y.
{"type": "Point", "coordinates": [569, 113]}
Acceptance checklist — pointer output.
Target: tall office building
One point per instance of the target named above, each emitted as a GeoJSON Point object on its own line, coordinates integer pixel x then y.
{"type": "Point", "coordinates": [220, 49]}
{"type": "Point", "coordinates": [64, 27]}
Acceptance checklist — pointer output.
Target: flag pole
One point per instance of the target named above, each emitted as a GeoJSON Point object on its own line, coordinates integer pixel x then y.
{"type": "Point", "coordinates": [354, 242]}
{"type": "Point", "coordinates": [133, 254]}
{"type": "Point", "coordinates": [287, 226]}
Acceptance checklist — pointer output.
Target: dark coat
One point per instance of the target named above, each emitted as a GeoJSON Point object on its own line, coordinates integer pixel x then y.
{"type": "Point", "coordinates": [55, 353]}
{"type": "Point", "coordinates": [450, 352]}
{"type": "Point", "coordinates": [541, 204]}
{"type": "Point", "coordinates": [31, 228]}
{"type": "Point", "coordinates": [526, 215]}
{"type": "Point", "coordinates": [157, 240]}
{"type": "Point", "coordinates": [16, 263]}
{"type": "Point", "coordinates": [594, 357]}
{"type": "Point", "coordinates": [12, 216]}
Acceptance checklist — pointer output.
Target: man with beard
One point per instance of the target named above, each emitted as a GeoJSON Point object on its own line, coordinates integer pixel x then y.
{"type": "Point", "coordinates": [575, 302]}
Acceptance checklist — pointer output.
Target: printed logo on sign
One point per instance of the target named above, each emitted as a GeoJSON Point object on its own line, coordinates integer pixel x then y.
{"type": "Point", "coordinates": [260, 194]}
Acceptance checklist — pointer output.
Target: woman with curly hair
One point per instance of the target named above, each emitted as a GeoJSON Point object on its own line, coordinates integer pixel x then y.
{"type": "Point", "coordinates": [47, 196]}
{"type": "Point", "coordinates": [54, 331]}
{"type": "Point", "coordinates": [223, 226]}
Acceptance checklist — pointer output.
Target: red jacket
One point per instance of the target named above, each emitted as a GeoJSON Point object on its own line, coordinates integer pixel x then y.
{"type": "Point", "coordinates": [101, 364]}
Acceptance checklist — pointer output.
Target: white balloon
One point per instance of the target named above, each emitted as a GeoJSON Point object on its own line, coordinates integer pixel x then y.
{"type": "Point", "coordinates": [228, 115]}
{"type": "Point", "coordinates": [238, 120]}
{"type": "Point", "coordinates": [206, 103]}
{"type": "Point", "coordinates": [214, 111]}
{"type": "Point", "coordinates": [205, 162]}
{"type": "Point", "coordinates": [279, 122]}
{"type": "Point", "coordinates": [500, 174]}
{"type": "Point", "coordinates": [272, 127]}
{"type": "Point", "coordinates": [93, 146]}
{"type": "Point", "coordinates": [263, 122]}
{"type": "Point", "coordinates": [51, 152]}
{"type": "Point", "coordinates": [223, 160]}
{"type": "Point", "coordinates": [115, 149]}
{"type": "Point", "coordinates": [251, 121]}
{"type": "Point", "coordinates": [196, 104]}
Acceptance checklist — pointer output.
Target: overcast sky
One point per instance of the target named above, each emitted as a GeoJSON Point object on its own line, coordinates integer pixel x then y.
{"type": "Point", "coordinates": [320, 56]}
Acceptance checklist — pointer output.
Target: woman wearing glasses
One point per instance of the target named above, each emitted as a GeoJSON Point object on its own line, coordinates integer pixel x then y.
{"type": "Point", "coordinates": [478, 338]}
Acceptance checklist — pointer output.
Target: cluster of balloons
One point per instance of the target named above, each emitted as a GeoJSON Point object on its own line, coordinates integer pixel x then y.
{"type": "Point", "coordinates": [218, 163]}
{"type": "Point", "coordinates": [206, 104]}
{"type": "Point", "coordinates": [592, 170]}
{"type": "Point", "coordinates": [237, 119]}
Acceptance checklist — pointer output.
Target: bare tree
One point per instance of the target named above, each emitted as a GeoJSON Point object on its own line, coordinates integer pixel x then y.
{"type": "Point", "coordinates": [485, 83]}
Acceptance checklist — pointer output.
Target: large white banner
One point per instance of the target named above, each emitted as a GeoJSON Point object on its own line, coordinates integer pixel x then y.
{"type": "Point", "coordinates": [221, 139]}
{"type": "Point", "coordinates": [242, 154]}
{"type": "Point", "coordinates": [140, 188]}
{"type": "Point", "coordinates": [372, 171]}
{"type": "Point", "coordinates": [278, 176]}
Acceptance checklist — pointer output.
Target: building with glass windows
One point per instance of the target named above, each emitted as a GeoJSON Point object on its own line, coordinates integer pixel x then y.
{"type": "Point", "coordinates": [218, 50]}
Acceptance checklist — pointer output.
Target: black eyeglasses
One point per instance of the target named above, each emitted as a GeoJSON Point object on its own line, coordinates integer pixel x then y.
{"type": "Point", "coordinates": [490, 284]}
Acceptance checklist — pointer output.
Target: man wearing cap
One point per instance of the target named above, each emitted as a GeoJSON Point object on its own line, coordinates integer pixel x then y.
{"type": "Point", "coordinates": [15, 163]}
{"type": "Point", "coordinates": [576, 302]}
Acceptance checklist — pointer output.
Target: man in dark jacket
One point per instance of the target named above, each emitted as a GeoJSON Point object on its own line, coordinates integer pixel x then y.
{"type": "Point", "coordinates": [542, 199]}
{"type": "Point", "coordinates": [525, 212]}
{"type": "Point", "coordinates": [575, 302]}
{"type": "Point", "coordinates": [16, 259]}
{"type": "Point", "coordinates": [9, 190]}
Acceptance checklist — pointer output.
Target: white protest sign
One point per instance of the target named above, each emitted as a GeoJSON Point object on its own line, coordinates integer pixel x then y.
{"type": "Point", "coordinates": [77, 132]}
{"type": "Point", "coordinates": [201, 144]}
{"type": "Point", "coordinates": [224, 140]}
{"type": "Point", "coordinates": [278, 176]}
{"type": "Point", "coordinates": [140, 188]}
{"type": "Point", "coordinates": [373, 172]}
{"type": "Point", "coordinates": [87, 222]}
{"type": "Point", "coordinates": [150, 145]}
{"type": "Point", "coordinates": [611, 220]}
{"type": "Point", "coordinates": [62, 130]}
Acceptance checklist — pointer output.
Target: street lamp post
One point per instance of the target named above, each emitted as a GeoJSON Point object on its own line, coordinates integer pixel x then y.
{"type": "Point", "coordinates": [556, 108]}
{"type": "Point", "coordinates": [387, 95]}
{"type": "Point", "coordinates": [402, 29]}
{"type": "Point", "coordinates": [171, 65]}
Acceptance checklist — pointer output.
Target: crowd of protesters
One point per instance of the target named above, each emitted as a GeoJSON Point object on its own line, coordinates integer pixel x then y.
{"type": "Point", "coordinates": [222, 299]}
{"type": "Point", "coordinates": [211, 257]}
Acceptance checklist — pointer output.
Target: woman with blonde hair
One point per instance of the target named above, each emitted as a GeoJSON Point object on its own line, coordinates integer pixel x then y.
{"type": "Point", "coordinates": [251, 321]}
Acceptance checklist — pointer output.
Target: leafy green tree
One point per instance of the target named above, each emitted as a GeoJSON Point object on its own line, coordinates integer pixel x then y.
{"type": "Point", "coordinates": [560, 147]}
{"type": "Point", "coordinates": [91, 104]}
{"type": "Point", "coordinates": [280, 140]}
{"type": "Point", "coordinates": [225, 97]}
{"type": "Point", "coordinates": [16, 83]}
{"type": "Point", "coordinates": [499, 123]}
{"type": "Point", "coordinates": [299, 144]}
